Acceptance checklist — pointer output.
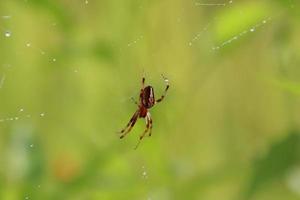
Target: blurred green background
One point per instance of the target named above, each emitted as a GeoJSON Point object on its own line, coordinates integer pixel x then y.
{"type": "Point", "coordinates": [227, 129]}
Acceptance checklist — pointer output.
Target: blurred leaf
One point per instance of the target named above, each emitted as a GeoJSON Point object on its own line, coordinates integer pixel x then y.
{"type": "Point", "coordinates": [55, 9]}
{"type": "Point", "coordinates": [103, 51]}
{"type": "Point", "coordinates": [290, 5]}
{"type": "Point", "coordinates": [238, 19]}
{"type": "Point", "coordinates": [287, 85]}
{"type": "Point", "coordinates": [282, 156]}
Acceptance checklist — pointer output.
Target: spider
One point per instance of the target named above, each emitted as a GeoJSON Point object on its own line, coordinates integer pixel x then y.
{"type": "Point", "coordinates": [146, 101]}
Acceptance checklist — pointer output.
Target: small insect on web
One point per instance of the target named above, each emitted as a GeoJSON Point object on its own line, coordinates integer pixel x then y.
{"type": "Point", "coordinates": [146, 101]}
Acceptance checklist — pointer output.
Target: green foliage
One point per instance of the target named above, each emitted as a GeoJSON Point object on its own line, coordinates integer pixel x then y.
{"type": "Point", "coordinates": [282, 156]}
{"type": "Point", "coordinates": [69, 68]}
{"type": "Point", "coordinates": [240, 18]}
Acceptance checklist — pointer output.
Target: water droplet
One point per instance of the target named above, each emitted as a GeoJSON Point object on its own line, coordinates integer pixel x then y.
{"type": "Point", "coordinates": [42, 114]}
{"type": "Point", "coordinates": [75, 70]}
{"type": "Point", "coordinates": [264, 21]}
{"type": "Point", "coordinates": [190, 43]}
{"type": "Point", "coordinates": [7, 33]}
{"type": "Point", "coordinates": [144, 174]}
{"type": "Point", "coordinates": [31, 146]}
{"type": "Point", "coordinates": [28, 44]}
{"type": "Point", "coordinates": [54, 59]}
{"type": "Point", "coordinates": [86, 1]}
{"type": "Point", "coordinates": [21, 110]}
{"type": "Point", "coordinates": [230, 1]}
{"type": "Point", "coordinates": [252, 29]}
{"type": "Point", "coordinates": [16, 118]}
{"type": "Point", "coordinates": [26, 198]}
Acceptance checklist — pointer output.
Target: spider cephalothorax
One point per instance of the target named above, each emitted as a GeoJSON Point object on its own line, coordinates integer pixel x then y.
{"type": "Point", "coordinates": [146, 101]}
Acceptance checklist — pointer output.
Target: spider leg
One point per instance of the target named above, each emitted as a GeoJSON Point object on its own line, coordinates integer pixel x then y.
{"type": "Point", "coordinates": [151, 124]}
{"type": "Point", "coordinates": [143, 80]}
{"type": "Point", "coordinates": [145, 131]}
{"type": "Point", "coordinates": [143, 86]}
{"type": "Point", "coordinates": [130, 124]}
{"type": "Point", "coordinates": [167, 87]}
{"type": "Point", "coordinates": [147, 127]}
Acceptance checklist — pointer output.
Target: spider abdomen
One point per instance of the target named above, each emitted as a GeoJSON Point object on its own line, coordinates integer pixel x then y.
{"type": "Point", "coordinates": [147, 97]}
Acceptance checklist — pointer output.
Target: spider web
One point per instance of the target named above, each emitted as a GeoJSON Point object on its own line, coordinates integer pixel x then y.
{"type": "Point", "coordinates": [21, 114]}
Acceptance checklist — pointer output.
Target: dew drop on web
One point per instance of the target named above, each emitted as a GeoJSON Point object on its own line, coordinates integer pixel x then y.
{"type": "Point", "coordinates": [7, 34]}
{"type": "Point", "coordinates": [144, 173]}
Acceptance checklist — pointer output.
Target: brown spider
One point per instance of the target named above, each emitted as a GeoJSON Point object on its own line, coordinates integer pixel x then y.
{"type": "Point", "coordinates": [146, 101]}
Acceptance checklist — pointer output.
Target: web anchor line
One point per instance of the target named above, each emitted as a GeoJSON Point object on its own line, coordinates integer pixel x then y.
{"type": "Point", "coordinates": [241, 34]}
{"type": "Point", "coordinates": [213, 4]}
